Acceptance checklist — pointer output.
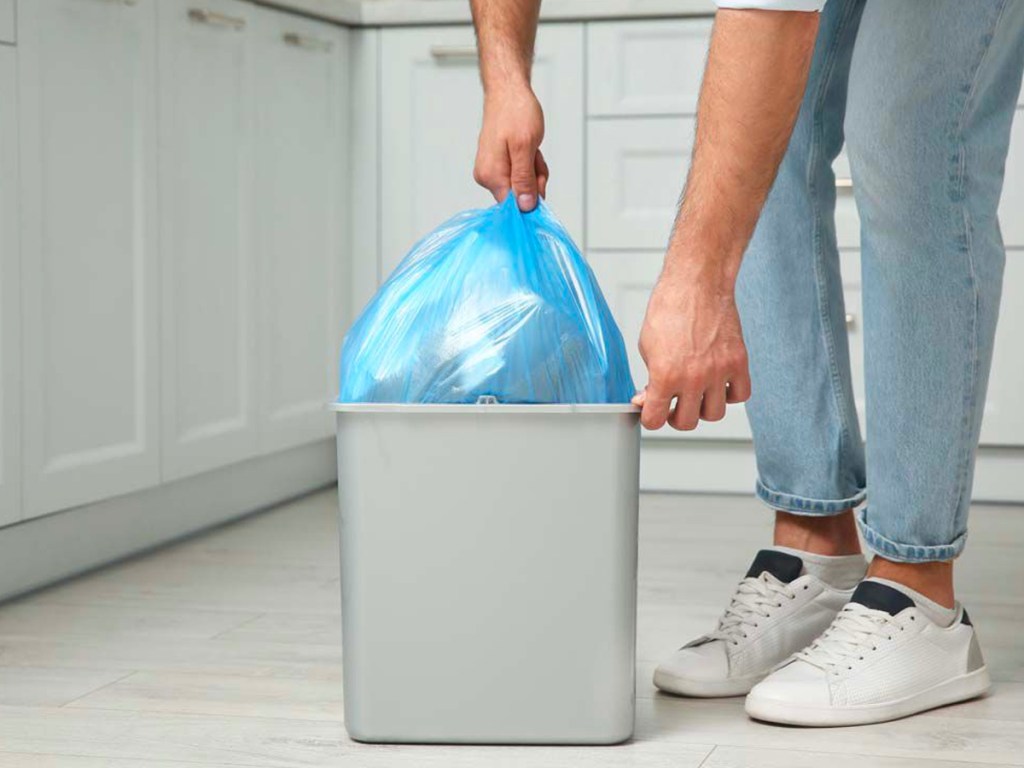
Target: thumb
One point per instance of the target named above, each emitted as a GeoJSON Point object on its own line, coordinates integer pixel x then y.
{"type": "Point", "coordinates": [524, 176]}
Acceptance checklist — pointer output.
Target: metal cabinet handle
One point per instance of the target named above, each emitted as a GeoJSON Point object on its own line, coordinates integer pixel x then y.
{"type": "Point", "coordinates": [851, 320]}
{"type": "Point", "coordinates": [305, 41]}
{"type": "Point", "coordinates": [205, 16]}
{"type": "Point", "coordinates": [124, 2]}
{"type": "Point", "coordinates": [454, 52]}
{"type": "Point", "coordinates": [844, 182]}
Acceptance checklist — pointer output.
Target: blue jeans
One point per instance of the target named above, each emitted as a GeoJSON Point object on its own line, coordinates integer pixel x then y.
{"type": "Point", "coordinates": [923, 94]}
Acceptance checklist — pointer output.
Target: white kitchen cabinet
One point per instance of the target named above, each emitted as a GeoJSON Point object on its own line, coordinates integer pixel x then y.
{"type": "Point", "coordinates": [636, 167]}
{"type": "Point", "coordinates": [646, 67]}
{"type": "Point", "coordinates": [10, 295]}
{"type": "Point", "coordinates": [209, 397]}
{"type": "Point", "coordinates": [87, 112]}
{"type": "Point", "coordinates": [1011, 205]}
{"type": "Point", "coordinates": [430, 111]}
{"type": "Point", "coordinates": [301, 222]}
{"type": "Point", "coordinates": [1003, 422]}
{"type": "Point", "coordinates": [7, 23]}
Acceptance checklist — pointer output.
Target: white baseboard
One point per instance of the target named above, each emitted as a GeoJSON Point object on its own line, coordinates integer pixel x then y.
{"type": "Point", "coordinates": [727, 466]}
{"type": "Point", "coordinates": [37, 552]}
{"type": "Point", "coordinates": [40, 551]}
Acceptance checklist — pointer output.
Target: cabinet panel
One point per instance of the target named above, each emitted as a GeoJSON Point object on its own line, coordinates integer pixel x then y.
{"type": "Point", "coordinates": [88, 150]}
{"type": "Point", "coordinates": [430, 113]}
{"type": "Point", "coordinates": [209, 403]}
{"type": "Point", "coordinates": [1011, 205]}
{"type": "Point", "coordinates": [7, 21]}
{"type": "Point", "coordinates": [10, 295]}
{"type": "Point", "coordinates": [646, 67]}
{"type": "Point", "coordinates": [635, 171]}
{"type": "Point", "coordinates": [301, 222]}
{"type": "Point", "coordinates": [1003, 422]}
{"type": "Point", "coordinates": [636, 167]}
{"type": "Point", "coordinates": [846, 216]}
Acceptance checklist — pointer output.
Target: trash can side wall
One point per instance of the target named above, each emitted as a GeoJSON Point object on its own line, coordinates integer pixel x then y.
{"type": "Point", "coordinates": [489, 575]}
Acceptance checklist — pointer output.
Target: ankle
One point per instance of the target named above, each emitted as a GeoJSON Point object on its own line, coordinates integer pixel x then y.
{"type": "Point", "coordinates": [832, 535]}
{"type": "Point", "coordinates": [934, 580]}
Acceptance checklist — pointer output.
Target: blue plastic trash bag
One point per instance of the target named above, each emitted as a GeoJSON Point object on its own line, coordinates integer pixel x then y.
{"type": "Point", "coordinates": [493, 303]}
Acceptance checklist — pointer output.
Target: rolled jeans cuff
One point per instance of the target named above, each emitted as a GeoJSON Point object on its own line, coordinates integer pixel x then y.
{"type": "Point", "coordinates": [907, 553]}
{"type": "Point", "coordinates": [798, 505]}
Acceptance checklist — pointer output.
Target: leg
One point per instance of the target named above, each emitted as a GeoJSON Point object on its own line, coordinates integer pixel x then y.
{"type": "Point", "coordinates": [808, 447]}
{"type": "Point", "coordinates": [927, 138]}
{"type": "Point", "coordinates": [809, 451]}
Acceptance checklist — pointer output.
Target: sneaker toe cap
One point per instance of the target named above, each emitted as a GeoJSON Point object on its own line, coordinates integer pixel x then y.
{"type": "Point", "coordinates": [706, 662]}
{"type": "Point", "coordinates": [796, 683]}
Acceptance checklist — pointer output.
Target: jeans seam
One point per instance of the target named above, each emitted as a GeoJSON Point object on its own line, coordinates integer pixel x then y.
{"type": "Point", "coordinates": [828, 335]}
{"type": "Point", "coordinates": [959, 194]}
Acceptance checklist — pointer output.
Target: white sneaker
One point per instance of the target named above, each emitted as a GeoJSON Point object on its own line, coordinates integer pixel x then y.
{"type": "Point", "coordinates": [776, 610]}
{"type": "Point", "coordinates": [882, 658]}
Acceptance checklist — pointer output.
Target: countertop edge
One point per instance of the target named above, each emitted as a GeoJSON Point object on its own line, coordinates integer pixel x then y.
{"type": "Point", "coordinates": [382, 13]}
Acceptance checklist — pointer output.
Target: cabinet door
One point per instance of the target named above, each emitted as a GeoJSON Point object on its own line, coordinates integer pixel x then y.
{"type": "Point", "coordinates": [209, 402]}
{"type": "Point", "coordinates": [646, 67]}
{"type": "Point", "coordinates": [1011, 205]}
{"type": "Point", "coordinates": [1003, 422]}
{"type": "Point", "coordinates": [635, 171]}
{"type": "Point", "coordinates": [88, 149]}
{"type": "Point", "coordinates": [7, 21]}
{"type": "Point", "coordinates": [301, 222]}
{"type": "Point", "coordinates": [10, 292]}
{"type": "Point", "coordinates": [430, 114]}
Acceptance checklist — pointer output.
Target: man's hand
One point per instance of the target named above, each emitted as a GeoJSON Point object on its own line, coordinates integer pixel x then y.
{"type": "Point", "coordinates": [508, 156]}
{"type": "Point", "coordinates": [691, 338]}
{"type": "Point", "coordinates": [693, 347]}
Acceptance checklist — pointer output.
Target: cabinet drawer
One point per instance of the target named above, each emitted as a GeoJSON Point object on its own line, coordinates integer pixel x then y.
{"type": "Point", "coordinates": [1011, 206]}
{"type": "Point", "coordinates": [635, 172]}
{"type": "Point", "coordinates": [1003, 422]}
{"type": "Point", "coordinates": [846, 218]}
{"type": "Point", "coordinates": [6, 21]}
{"type": "Point", "coordinates": [646, 67]}
{"type": "Point", "coordinates": [636, 167]}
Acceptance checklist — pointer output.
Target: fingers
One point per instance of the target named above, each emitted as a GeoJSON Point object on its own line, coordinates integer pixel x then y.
{"type": "Point", "coordinates": [739, 388]}
{"type": "Point", "coordinates": [541, 166]}
{"type": "Point", "coordinates": [712, 407]}
{"type": "Point", "coordinates": [656, 407]}
{"type": "Point", "coordinates": [492, 173]}
{"type": "Point", "coordinates": [686, 415]}
{"type": "Point", "coordinates": [523, 155]}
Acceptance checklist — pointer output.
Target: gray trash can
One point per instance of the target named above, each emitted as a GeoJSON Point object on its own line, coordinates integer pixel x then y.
{"type": "Point", "coordinates": [488, 572]}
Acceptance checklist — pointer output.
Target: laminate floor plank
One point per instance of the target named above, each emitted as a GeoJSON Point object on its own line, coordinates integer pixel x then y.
{"type": "Point", "coordinates": [225, 650]}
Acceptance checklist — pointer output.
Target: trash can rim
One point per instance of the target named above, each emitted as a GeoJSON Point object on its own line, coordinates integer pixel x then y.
{"type": "Point", "coordinates": [484, 408]}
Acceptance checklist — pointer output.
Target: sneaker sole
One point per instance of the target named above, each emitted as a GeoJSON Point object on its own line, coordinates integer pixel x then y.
{"type": "Point", "coordinates": [962, 688]}
{"type": "Point", "coordinates": [705, 689]}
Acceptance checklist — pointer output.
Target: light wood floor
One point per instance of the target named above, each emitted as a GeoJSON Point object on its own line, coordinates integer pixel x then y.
{"type": "Point", "coordinates": [225, 651]}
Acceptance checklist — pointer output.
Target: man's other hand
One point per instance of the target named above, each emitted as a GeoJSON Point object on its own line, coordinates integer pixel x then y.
{"type": "Point", "coordinates": [508, 156]}
{"type": "Point", "coordinates": [692, 344]}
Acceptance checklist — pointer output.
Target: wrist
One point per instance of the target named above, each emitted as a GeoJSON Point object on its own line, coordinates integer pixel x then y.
{"type": "Point", "coordinates": [706, 266]}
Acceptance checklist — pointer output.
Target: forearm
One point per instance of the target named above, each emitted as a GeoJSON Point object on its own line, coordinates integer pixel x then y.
{"type": "Point", "coordinates": [756, 74]}
{"type": "Point", "coordinates": [505, 31]}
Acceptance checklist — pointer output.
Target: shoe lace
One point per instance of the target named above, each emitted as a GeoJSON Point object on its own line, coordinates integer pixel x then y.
{"type": "Point", "coordinates": [754, 599]}
{"type": "Point", "coordinates": [855, 631]}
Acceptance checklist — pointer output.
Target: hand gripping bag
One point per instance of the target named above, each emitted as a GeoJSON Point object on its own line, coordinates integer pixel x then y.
{"type": "Point", "coordinates": [494, 303]}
